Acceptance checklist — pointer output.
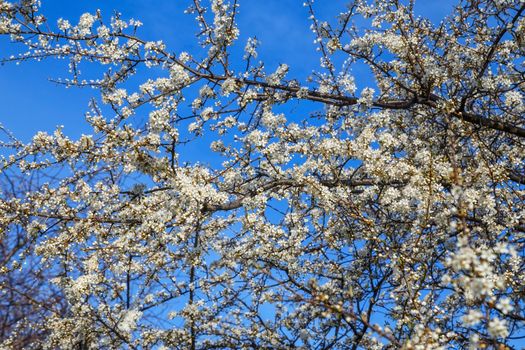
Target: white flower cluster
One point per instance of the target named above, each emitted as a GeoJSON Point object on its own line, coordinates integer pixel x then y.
{"type": "Point", "coordinates": [276, 77]}
{"type": "Point", "coordinates": [250, 50]}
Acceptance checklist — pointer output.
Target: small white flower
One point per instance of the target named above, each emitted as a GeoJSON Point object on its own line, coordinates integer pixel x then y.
{"type": "Point", "coordinates": [472, 318]}
{"type": "Point", "coordinates": [228, 86]}
{"type": "Point", "coordinates": [63, 24]}
{"type": "Point", "coordinates": [504, 305]}
{"type": "Point", "coordinates": [498, 328]}
{"type": "Point", "coordinates": [207, 113]}
{"type": "Point", "coordinates": [129, 321]}
{"type": "Point", "coordinates": [367, 96]}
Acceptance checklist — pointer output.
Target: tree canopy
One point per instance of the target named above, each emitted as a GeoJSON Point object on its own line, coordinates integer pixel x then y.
{"type": "Point", "coordinates": [326, 216]}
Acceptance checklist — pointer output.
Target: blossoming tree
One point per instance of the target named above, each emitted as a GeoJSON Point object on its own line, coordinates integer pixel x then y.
{"type": "Point", "coordinates": [385, 218]}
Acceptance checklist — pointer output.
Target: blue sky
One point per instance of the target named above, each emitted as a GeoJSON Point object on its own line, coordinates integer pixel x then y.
{"type": "Point", "coordinates": [31, 103]}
